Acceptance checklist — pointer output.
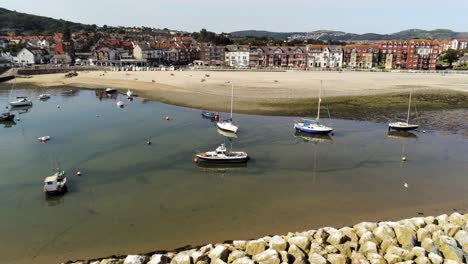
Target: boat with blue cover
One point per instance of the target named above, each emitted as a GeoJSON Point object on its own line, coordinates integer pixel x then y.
{"type": "Point", "coordinates": [210, 115]}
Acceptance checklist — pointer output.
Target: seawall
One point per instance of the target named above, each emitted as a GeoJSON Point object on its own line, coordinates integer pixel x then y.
{"type": "Point", "coordinates": [420, 240]}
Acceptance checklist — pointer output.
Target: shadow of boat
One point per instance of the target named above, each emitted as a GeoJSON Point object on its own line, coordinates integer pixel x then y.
{"type": "Point", "coordinates": [401, 134]}
{"type": "Point", "coordinates": [315, 138]}
{"type": "Point", "coordinates": [8, 124]}
{"type": "Point", "coordinates": [219, 167]}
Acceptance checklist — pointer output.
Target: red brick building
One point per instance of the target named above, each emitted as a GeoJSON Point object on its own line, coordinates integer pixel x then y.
{"type": "Point", "coordinates": [361, 56]}
{"type": "Point", "coordinates": [393, 54]}
{"type": "Point", "coordinates": [422, 54]}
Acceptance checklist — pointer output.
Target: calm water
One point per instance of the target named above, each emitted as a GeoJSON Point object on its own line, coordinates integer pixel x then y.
{"type": "Point", "coordinates": [132, 197]}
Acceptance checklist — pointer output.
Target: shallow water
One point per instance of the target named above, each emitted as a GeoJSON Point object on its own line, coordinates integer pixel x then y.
{"type": "Point", "coordinates": [132, 197]}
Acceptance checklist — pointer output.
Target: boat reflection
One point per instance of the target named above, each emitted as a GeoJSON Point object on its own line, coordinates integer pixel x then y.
{"type": "Point", "coordinates": [226, 133]}
{"type": "Point", "coordinates": [220, 167]}
{"type": "Point", "coordinates": [54, 200]}
{"type": "Point", "coordinates": [315, 138]}
{"type": "Point", "coordinates": [8, 124]}
{"type": "Point", "coordinates": [21, 109]}
{"type": "Point", "coordinates": [401, 134]}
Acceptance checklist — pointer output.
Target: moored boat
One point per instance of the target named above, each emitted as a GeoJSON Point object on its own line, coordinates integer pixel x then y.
{"type": "Point", "coordinates": [4, 117]}
{"type": "Point", "coordinates": [222, 155]}
{"type": "Point", "coordinates": [129, 93]}
{"type": "Point", "coordinates": [404, 126]}
{"type": "Point", "coordinates": [314, 126]}
{"type": "Point", "coordinates": [111, 90]}
{"type": "Point", "coordinates": [120, 104]}
{"type": "Point", "coordinates": [227, 124]}
{"type": "Point", "coordinates": [56, 184]}
{"type": "Point", "coordinates": [44, 96]}
{"type": "Point", "coordinates": [210, 115]}
{"type": "Point", "coordinates": [21, 101]}
{"type": "Point", "coordinates": [44, 138]}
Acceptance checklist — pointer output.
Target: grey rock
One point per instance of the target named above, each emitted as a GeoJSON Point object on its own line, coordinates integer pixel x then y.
{"type": "Point", "coordinates": [199, 256]}
{"type": "Point", "coordinates": [462, 238]}
{"type": "Point", "coordinates": [405, 236]}
{"type": "Point", "coordinates": [358, 258]}
{"type": "Point", "coordinates": [181, 258]}
{"type": "Point", "coordinates": [429, 220]}
{"type": "Point", "coordinates": [407, 223]}
{"type": "Point", "coordinates": [206, 249]}
{"type": "Point", "coordinates": [418, 222]}
{"type": "Point", "coordinates": [432, 228]}
{"type": "Point", "coordinates": [450, 229]}
{"type": "Point", "coordinates": [330, 249]}
{"type": "Point", "coordinates": [112, 261]}
{"type": "Point", "coordinates": [135, 259]}
{"type": "Point", "coordinates": [403, 253]}
{"type": "Point", "coordinates": [278, 243]}
{"type": "Point", "coordinates": [285, 256]}
{"type": "Point", "coordinates": [457, 219]}
{"type": "Point", "coordinates": [449, 261]}
{"type": "Point", "coordinates": [422, 260]}
{"type": "Point", "coordinates": [429, 245]}
{"type": "Point", "coordinates": [442, 219]}
{"type": "Point", "coordinates": [295, 251]}
{"type": "Point", "coordinates": [335, 236]}
{"type": "Point", "coordinates": [363, 227]}
{"type": "Point", "coordinates": [388, 242]}
{"type": "Point", "coordinates": [317, 248]}
{"type": "Point", "coordinates": [382, 232]}
{"type": "Point", "coordinates": [422, 233]}
{"type": "Point", "coordinates": [219, 252]}
{"type": "Point", "coordinates": [239, 244]}
{"type": "Point", "coordinates": [375, 258]}
{"type": "Point", "coordinates": [236, 254]}
{"type": "Point", "coordinates": [217, 261]}
{"type": "Point", "coordinates": [302, 242]}
{"type": "Point", "coordinates": [244, 260]}
{"type": "Point", "coordinates": [337, 259]}
{"type": "Point", "coordinates": [300, 260]}
{"type": "Point", "coordinates": [368, 247]}
{"type": "Point", "coordinates": [346, 248]}
{"type": "Point", "coordinates": [202, 262]}
{"type": "Point", "coordinates": [435, 258]}
{"type": "Point", "coordinates": [159, 259]}
{"type": "Point", "coordinates": [368, 236]}
{"type": "Point", "coordinates": [315, 258]}
{"type": "Point", "coordinates": [452, 252]}
{"type": "Point", "coordinates": [255, 247]}
{"type": "Point", "coordinates": [269, 256]}
{"type": "Point", "coordinates": [392, 258]}
{"type": "Point", "coordinates": [418, 252]}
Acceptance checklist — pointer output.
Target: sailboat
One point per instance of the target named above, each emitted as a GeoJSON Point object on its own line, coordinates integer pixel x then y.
{"type": "Point", "coordinates": [20, 100]}
{"type": "Point", "coordinates": [314, 126]}
{"type": "Point", "coordinates": [404, 126]}
{"type": "Point", "coordinates": [227, 124]}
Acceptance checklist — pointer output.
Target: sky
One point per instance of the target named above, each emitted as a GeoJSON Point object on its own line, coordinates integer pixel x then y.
{"type": "Point", "coordinates": [353, 16]}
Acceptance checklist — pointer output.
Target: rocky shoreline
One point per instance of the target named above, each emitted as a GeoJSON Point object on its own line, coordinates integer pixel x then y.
{"type": "Point", "coordinates": [420, 240]}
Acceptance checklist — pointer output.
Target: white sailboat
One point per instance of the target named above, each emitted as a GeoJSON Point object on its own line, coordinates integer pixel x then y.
{"type": "Point", "coordinates": [314, 126]}
{"type": "Point", "coordinates": [20, 100]}
{"type": "Point", "coordinates": [227, 125]}
{"type": "Point", "coordinates": [404, 126]}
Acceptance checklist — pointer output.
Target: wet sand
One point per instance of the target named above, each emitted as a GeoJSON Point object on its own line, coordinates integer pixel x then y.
{"type": "Point", "coordinates": [256, 92]}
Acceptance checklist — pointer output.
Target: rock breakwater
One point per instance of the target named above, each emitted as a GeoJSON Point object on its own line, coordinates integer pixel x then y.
{"type": "Point", "coordinates": [420, 240]}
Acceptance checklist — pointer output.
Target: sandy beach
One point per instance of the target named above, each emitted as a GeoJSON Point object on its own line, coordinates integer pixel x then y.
{"type": "Point", "coordinates": [255, 92]}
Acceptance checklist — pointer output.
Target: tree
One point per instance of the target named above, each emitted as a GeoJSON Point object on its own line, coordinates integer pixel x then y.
{"type": "Point", "coordinates": [450, 56]}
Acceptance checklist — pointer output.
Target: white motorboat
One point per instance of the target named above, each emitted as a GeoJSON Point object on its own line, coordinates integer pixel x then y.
{"type": "Point", "coordinates": [21, 101]}
{"type": "Point", "coordinates": [111, 90]}
{"type": "Point", "coordinates": [44, 96]}
{"type": "Point", "coordinates": [56, 183]}
{"type": "Point", "coordinates": [314, 126]}
{"type": "Point", "coordinates": [222, 155]}
{"type": "Point", "coordinates": [227, 124]}
{"type": "Point", "coordinates": [404, 126]}
{"type": "Point", "coordinates": [44, 138]}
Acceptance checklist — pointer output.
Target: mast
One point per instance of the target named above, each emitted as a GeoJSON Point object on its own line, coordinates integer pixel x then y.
{"type": "Point", "coordinates": [319, 101]}
{"type": "Point", "coordinates": [409, 108]}
{"type": "Point", "coordinates": [232, 98]}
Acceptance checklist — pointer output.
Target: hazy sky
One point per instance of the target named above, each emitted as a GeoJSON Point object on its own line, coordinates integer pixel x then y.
{"type": "Point", "coordinates": [356, 16]}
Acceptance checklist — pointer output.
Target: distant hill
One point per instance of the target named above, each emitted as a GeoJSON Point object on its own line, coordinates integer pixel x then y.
{"type": "Point", "coordinates": [12, 20]}
{"type": "Point", "coordinates": [343, 36]}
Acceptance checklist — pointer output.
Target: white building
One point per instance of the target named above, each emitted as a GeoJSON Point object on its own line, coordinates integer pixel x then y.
{"type": "Point", "coordinates": [237, 56]}
{"type": "Point", "coordinates": [143, 51]}
{"type": "Point", "coordinates": [322, 56]}
{"type": "Point", "coordinates": [30, 55]}
{"type": "Point", "coordinates": [459, 44]}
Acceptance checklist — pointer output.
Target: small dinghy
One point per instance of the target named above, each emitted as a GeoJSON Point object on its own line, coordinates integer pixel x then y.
{"type": "Point", "coordinates": [111, 90]}
{"type": "Point", "coordinates": [44, 138]}
{"type": "Point", "coordinates": [44, 96]}
{"type": "Point", "coordinates": [6, 117]}
{"type": "Point", "coordinates": [210, 115]}
{"type": "Point", "coordinates": [55, 184]}
{"type": "Point", "coordinates": [21, 101]}
{"type": "Point", "coordinates": [120, 104]}
{"type": "Point", "coordinates": [222, 155]}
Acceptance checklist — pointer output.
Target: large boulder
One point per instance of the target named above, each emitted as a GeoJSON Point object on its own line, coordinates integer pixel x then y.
{"type": "Point", "coordinates": [403, 253]}
{"type": "Point", "coordinates": [243, 260]}
{"type": "Point", "coordinates": [181, 258]}
{"type": "Point", "coordinates": [285, 257]}
{"type": "Point", "coordinates": [450, 229]}
{"type": "Point", "coordinates": [159, 259]}
{"type": "Point", "coordinates": [358, 258]}
{"type": "Point", "coordinates": [317, 248]}
{"type": "Point", "coordinates": [236, 254]}
{"type": "Point", "coordinates": [206, 249]}
{"type": "Point", "coordinates": [392, 258]}
{"type": "Point", "coordinates": [452, 252]}
{"type": "Point", "coordinates": [254, 247]}
{"type": "Point", "coordinates": [429, 245]}
{"type": "Point", "coordinates": [418, 222]}
{"type": "Point", "coordinates": [418, 252]}
{"type": "Point", "coordinates": [346, 248]}
{"type": "Point", "coordinates": [302, 242]}
{"type": "Point", "coordinates": [422, 260]}
{"type": "Point", "coordinates": [435, 258]}
{"type": "Point", "coordinates": [295, 251]}
{"type": "Point", "coordinates": [330, 249]}
{"type": "Point", "coordinates": [431, 228]}
{"type": "Point", "coordinates": [337, 259]}
{"type": "Point", "coordinates": [363, 227]}
{"type": "Point", "coordinates": [383, 232]}
{"type": "Point", "coordinates": [368, 247]}
{"type": "Point", "coordinates": [315, 258]}
{"type": "Point", "coordinates": [269, 256]}
{"type": "Point", "coordinates": [406, 236]}
{"type": "Point", "coordinates": [367, 236]}
{"type": "Point", "coordinates": [462, 238]}
{"type": "Point", "coordinates": [375, 258]}
{"type": "Point", "coordinates": [422, 233]}
{"type": "Point", "coordinates": [135, 259]}
{"type": "Point", "coordinates": [388, 242]}
{"type": "Point", "coordinates": [219, 252]}
{"type": "Point", "coordinates": [441, 219]}
{"type": "Point", "coordinates": [239, 244]}
{"type": "Point", "coordinates": [111, 261]}
{"type": "Point", "coordinates": [457, 219]}
{"type": "Point", "coordinates": [278, 243]}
